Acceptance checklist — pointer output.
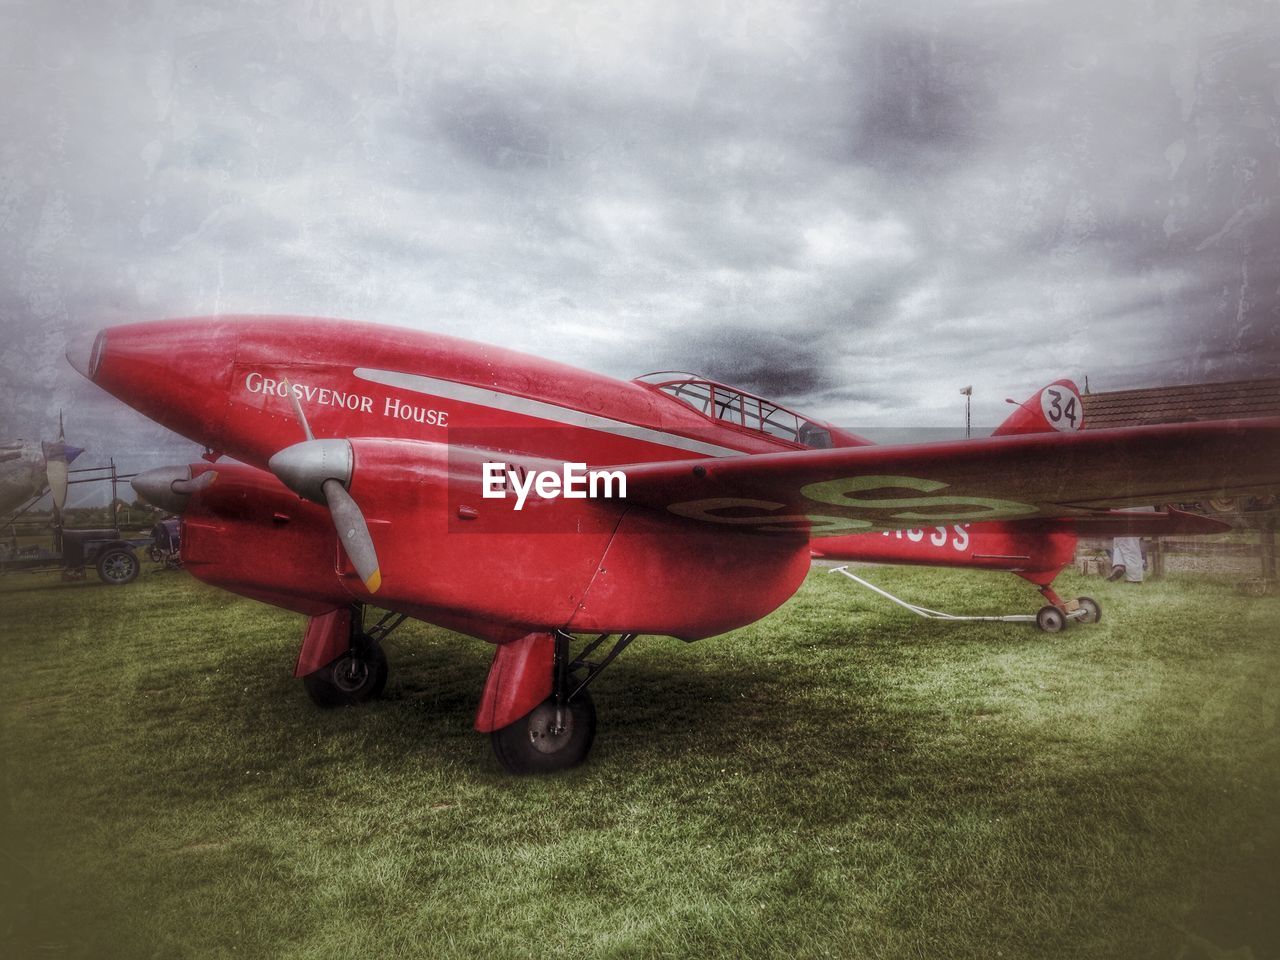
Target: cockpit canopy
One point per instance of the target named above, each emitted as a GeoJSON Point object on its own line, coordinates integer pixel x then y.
{"type": "Point", "coordinates": [738, 408]}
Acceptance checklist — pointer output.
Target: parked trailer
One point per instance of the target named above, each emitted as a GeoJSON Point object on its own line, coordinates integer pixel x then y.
{"type": "Point", "coordinates": [112, 555]}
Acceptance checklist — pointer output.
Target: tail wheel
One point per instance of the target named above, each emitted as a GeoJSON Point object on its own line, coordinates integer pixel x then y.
{"type": "Point", "coordinates": [357, 676]}
{"type": "Point", "coordinates": [1092, 611]}
{"type": "Point", "coordinates": [1050, 620]}
{"type": "Point", "coordinates": [548, 738]}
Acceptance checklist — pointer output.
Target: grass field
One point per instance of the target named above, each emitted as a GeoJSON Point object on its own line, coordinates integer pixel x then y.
{"type": "Point", "coordinates": [839, 780]}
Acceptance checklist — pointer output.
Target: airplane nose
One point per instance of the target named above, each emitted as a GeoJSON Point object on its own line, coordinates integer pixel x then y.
{"type": "Point", "coordinates": [84, 352]}
{"type": "Point", "coordinates": [177, 372]}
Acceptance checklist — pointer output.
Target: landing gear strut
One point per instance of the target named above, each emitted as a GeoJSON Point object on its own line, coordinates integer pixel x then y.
{"type": "Point", "coordinates": [359, 674]}
{"type": "Point", "coordinates": [558, 733]}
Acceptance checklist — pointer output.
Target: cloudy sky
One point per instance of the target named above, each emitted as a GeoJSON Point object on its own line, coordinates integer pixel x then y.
{"type": "Point", "coordinates": [857, 208]}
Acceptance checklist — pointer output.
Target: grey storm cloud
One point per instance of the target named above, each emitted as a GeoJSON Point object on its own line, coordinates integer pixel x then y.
{"type": "Point", "coordinates": [856, 208]}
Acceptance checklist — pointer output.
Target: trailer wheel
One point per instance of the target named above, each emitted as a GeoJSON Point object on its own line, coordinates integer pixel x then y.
{"type": "Point", "coordinates": [118, 566]}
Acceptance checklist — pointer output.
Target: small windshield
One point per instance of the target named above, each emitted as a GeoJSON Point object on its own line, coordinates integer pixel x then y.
{"type": "Point", "coordinates": [741, 409]}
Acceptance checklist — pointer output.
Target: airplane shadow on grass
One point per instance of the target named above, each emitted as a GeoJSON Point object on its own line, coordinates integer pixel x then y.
{"type": "Point", "coordinates": [89, 581]}
{"type": "Point", "coordinates": [786, 723]}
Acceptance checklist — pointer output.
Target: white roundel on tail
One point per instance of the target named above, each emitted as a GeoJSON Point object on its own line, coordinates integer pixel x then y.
{"type": "Point", "coordinates": [1061, 407]}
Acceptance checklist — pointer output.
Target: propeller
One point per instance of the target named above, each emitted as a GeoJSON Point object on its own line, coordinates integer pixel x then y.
{"type": "Point", "coordinates": [320, 471]}
{"type": "Point", "coordinates": [57, 456]}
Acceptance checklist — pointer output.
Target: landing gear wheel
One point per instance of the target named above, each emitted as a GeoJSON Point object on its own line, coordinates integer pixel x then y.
{"type": "Point", "coordinates": [533, 745]}
{"type": "Point", "coordinates": [118, 566]}
{"type": "Point", "coordinates": [1050, 620]}
{"type": "Point", "coordinates": [1092, 612]}
{"type": "Point", "coordinates": [358, 675]}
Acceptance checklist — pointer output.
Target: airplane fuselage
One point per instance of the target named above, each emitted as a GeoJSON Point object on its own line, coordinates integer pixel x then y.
{"type": "Point", "coordinates": [424, 412]}
{"type": "Point", "coordinates": [224, 383]}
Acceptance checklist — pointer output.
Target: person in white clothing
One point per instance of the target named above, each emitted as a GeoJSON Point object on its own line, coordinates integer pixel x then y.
{"type": "Point", "coordinates": [1126, 554]}
{"type": "Point", "coordinates": [1126, 559]}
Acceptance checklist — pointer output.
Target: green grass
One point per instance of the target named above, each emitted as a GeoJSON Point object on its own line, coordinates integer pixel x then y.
{"type": "Point", "coordinates": [840, 780]}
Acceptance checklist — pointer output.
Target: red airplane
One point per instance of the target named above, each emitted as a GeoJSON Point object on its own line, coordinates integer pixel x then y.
{"type": "Point", "coordinates": [523, 502]}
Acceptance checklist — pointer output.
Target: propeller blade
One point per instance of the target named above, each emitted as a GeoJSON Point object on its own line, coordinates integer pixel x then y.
{"type": "Point", "coordinates": [56, 472]}
{"type": "Point", "coordinates": [57, 456]}
{"type": "Point", "coordinates": [318, 470]}
{"type": "Point", "coordinates": [297, 410]}
{"type": "Point", "coordinates": [353, 533]}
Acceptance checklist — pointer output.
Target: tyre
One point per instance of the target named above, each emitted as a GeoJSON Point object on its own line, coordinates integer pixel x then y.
{"type": "Point", "coordinates": [1050, 620]}
{"type": "Point", "coordinates": [118, 566]}
{"type": "Point", "coordinates": [533, 745]}
{"type": "Point", "coordinates": [355, 677]}
{"type": "Point", "coordinates": [1092, 612]}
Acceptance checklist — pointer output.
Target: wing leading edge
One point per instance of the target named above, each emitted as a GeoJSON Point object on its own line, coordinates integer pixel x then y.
{"type": "Point", "coordinates": [845, 490]}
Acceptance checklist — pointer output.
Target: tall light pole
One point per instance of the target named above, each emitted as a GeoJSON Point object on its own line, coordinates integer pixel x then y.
{"type": "Point", "coordinates": [967, 393]}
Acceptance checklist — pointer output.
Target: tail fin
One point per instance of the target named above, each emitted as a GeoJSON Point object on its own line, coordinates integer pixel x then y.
{"type": "Point", "coordinates": [1055, 408]}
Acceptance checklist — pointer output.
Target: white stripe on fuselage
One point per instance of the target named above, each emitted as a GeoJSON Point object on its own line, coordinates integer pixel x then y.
{"type": "Point", "coordinates": [496, 400]}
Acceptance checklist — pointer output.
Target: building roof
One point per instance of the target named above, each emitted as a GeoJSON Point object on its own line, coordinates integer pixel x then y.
{"type": "Point", "coordinates": [1192, 401]}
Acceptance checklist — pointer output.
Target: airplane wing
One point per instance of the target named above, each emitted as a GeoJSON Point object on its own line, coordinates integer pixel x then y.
{"type": "Point", "coordinates": [845, 490]}
{"type": "Point", "coordinates": [1162, 523]}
